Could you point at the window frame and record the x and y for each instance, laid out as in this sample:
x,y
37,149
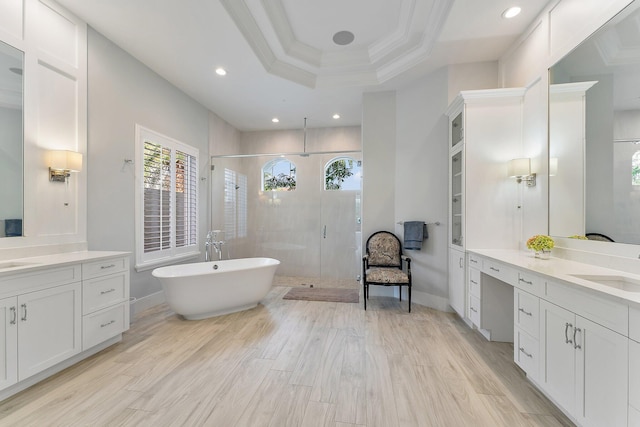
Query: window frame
x,y
293,173
174,253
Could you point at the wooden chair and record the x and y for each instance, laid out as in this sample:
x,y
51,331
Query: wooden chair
x,y
382,264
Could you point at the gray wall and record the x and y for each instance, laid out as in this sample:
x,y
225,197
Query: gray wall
x,y
122,93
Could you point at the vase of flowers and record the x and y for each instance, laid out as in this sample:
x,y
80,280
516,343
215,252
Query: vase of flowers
x,y
542,245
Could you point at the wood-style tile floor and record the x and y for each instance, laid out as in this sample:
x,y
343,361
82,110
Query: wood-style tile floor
x,y
292,363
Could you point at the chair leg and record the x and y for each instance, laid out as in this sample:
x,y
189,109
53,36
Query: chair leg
x,y
400,293
409,288
365,292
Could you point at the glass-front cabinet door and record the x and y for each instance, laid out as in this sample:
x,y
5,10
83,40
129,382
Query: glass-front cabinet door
x,y
456,192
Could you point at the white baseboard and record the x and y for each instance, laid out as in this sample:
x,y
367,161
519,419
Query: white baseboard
x,y
431,301
148,301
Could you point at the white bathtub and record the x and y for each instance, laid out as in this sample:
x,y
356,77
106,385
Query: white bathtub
x,y
207,289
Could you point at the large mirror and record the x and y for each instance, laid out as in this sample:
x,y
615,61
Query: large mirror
x,y
594,135
11,141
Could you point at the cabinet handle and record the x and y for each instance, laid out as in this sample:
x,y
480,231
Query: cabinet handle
x,y
24,312
473,260
575,341
525,353
473,309
525,312
14,315
566,333
473,281
104,267
107,324
108,291
460,262
525,281
497,270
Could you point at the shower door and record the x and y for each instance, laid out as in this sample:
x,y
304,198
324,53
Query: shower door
x,y
340,253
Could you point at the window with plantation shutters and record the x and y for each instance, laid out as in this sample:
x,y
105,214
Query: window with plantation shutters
x,y
166,200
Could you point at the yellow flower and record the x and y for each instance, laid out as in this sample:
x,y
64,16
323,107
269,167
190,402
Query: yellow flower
x,y
579,237
540,242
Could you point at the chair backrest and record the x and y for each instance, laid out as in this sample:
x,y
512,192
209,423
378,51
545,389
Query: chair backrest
x,y
384,250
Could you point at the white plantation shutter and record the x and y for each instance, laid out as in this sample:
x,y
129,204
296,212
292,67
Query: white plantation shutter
x,y
186,199
166,201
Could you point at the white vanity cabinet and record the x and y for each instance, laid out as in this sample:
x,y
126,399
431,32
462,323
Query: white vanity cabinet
x,y
105,300
634,366
47,314
8,342
584,367
49,325
456,281
526,337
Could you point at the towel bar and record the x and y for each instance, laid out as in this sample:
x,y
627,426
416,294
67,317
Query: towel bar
x,y
427,223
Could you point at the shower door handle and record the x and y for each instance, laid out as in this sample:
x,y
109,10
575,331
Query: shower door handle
x,y
324,232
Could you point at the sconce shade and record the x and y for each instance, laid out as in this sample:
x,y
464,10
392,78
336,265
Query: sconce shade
x,y
519,167
65,160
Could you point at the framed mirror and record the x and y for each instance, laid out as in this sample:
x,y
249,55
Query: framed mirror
x,y
594,135
11,141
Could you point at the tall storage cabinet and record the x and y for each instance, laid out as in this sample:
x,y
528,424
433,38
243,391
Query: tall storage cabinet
x,y
485,132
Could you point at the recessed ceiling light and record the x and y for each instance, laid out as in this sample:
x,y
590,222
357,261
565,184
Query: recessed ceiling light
x,y
343,38
275,120
511,12
221,71
336,116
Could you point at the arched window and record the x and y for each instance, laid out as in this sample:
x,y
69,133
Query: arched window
x,y
279,175
635,168
342,173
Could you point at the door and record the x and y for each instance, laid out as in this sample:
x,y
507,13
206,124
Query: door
x,y
340,243
50,327
456,281
8,342
603,375
558,373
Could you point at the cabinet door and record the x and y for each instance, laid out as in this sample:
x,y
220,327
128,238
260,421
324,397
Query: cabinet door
x,y
558,373
8,342
49,328
456,281
602,365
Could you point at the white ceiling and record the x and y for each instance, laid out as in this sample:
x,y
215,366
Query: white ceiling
x,y
281,59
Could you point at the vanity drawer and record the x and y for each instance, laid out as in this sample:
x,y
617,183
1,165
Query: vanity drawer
x,y
474,310
475,261
530,283
525,352
103,292
500,272
52,276
104,267
634,323
102,325
527,312
474,282
598,308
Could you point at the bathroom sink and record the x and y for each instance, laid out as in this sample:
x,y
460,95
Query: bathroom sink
x,y
15,264
617,282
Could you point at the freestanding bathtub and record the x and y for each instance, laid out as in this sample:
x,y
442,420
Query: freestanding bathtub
x,y
207,289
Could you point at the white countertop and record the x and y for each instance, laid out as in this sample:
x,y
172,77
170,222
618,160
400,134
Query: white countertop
x,y
562,269
22,265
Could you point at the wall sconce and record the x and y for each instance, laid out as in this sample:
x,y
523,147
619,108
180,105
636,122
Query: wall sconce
x,y
520,169
62,163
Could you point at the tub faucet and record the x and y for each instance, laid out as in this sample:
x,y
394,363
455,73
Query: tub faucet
x,y
212,243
